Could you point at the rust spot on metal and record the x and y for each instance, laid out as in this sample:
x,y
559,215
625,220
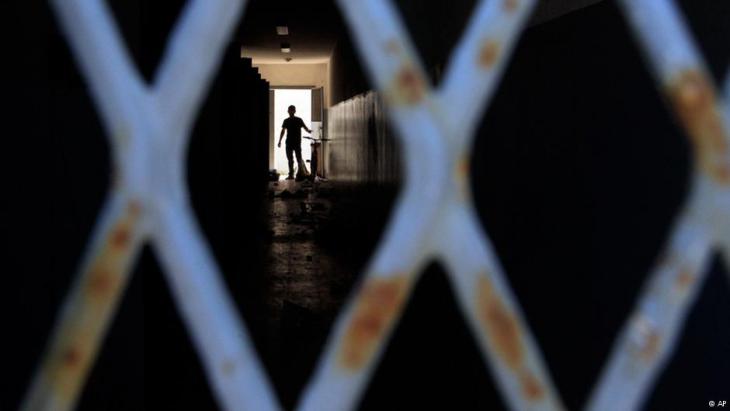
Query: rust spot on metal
x,y
463,169
723,172
65,374
71,357
409,87
101,283
375,310
646,340
511,5
500,324
488,54
651,347
462,178
121,237
532,389
695,103
684,279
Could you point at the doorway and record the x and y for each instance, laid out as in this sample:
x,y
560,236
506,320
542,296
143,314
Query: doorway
x,y
302,100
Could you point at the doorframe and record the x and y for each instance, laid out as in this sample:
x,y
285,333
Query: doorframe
x,y
272,106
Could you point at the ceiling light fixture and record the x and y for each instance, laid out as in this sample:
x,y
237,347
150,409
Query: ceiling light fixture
x,y
282,30
285,48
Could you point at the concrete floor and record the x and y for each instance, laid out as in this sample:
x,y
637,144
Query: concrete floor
x,y
320,239
305,285
300,271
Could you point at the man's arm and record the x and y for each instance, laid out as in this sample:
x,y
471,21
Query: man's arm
x,y
281,135
305,127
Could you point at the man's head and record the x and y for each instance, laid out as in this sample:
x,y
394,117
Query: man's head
x,y
292,110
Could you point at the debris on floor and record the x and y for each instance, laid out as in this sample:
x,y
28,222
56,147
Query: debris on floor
x,y
319,235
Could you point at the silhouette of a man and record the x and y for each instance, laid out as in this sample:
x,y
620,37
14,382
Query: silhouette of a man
x,y
293,127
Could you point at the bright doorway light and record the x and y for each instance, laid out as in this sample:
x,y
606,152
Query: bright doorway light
x,y
302,100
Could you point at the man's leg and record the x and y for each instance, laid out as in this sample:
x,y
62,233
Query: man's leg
x,y
300,161
289,157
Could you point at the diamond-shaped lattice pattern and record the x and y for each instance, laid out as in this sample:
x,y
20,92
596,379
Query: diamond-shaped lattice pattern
x,y
434,216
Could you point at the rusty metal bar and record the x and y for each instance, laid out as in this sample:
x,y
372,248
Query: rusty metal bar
x,y
362,330
222,342
149,196
364,327
434,217
649,338
114,82
200,36
89,307
483,292
477,64
492,312
102,277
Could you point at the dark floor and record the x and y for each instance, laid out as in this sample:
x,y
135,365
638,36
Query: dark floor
x,y
304,283
301,272
320,238
316,249
296,265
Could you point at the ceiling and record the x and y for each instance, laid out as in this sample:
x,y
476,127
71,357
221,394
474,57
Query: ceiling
x,y
315,26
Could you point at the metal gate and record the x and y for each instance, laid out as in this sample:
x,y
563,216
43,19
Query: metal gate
x,y
149,126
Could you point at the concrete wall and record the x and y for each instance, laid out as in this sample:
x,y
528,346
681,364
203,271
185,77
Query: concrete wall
x,y
362,147
279,75
435,27
347,78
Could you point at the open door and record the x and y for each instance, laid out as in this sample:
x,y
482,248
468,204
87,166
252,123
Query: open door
x,y
301,98
317,104
318,128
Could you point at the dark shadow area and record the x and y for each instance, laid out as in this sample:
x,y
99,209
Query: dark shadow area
x,y
699,367
321,238
435,28
173,376
146,28
578,171
51,200
707,21
57,171
432,361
